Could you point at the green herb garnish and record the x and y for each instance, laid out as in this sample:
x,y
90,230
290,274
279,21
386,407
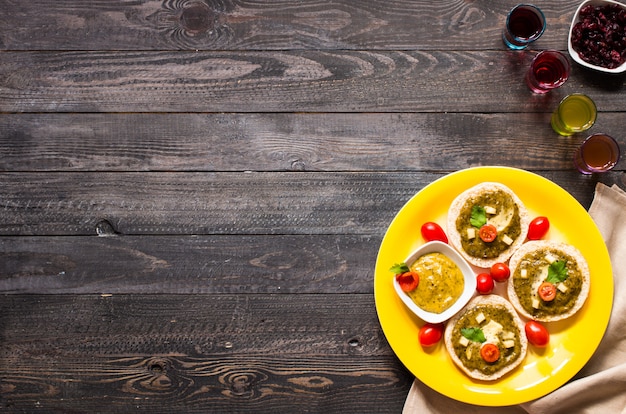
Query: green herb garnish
x,y
474,334
478,218
557,272
399,268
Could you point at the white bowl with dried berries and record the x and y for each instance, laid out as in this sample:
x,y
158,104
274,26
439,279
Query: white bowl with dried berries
x,y
597,37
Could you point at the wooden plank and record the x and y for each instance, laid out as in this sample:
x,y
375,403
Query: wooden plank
x,y
257,25
222,203
188,265
301,81
204,203
286,141
197,353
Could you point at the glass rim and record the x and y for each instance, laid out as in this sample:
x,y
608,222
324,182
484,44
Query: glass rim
x,y
592,107
554,52
612,141
539,14
561,56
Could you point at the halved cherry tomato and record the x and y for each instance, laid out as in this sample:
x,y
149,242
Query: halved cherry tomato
x,y
490,352
538,228
484,283
500,272
430,334
488,233
547,291
537,334
408,281
433,231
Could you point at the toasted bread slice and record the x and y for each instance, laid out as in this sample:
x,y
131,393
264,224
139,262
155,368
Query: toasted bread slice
x,y
511,219
529,268
495,310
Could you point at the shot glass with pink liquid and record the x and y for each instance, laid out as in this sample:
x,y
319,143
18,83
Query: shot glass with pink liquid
x,y
548,70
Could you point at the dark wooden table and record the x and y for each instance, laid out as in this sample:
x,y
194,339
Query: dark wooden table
x,y
193,193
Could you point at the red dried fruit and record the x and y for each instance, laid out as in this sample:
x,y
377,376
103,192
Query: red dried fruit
x,y
600,36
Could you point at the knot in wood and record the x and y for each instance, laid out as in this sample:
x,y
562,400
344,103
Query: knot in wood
x,y
159,379
105,228
197,18
243,384
157,366
355,346
298,165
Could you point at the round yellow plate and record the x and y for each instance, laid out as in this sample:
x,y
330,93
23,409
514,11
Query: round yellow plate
x,y
572,342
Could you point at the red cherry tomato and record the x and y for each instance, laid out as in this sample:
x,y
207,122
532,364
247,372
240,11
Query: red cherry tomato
x,y
408,281
547,291
488,233
538,228
484,283
430,334
537,334
500,272
433,231
490,353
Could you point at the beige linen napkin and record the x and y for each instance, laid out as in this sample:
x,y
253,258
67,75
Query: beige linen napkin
x,y
600,387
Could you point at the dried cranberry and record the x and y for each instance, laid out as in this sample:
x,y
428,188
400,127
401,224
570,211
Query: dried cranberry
x,y
587,10
600,36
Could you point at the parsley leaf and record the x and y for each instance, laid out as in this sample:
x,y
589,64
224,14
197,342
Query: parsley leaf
x,y
474,334
399,268
478,217
557,272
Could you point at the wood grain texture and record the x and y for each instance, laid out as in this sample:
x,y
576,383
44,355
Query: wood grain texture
x,y
306,81
222,203
204,203
286,141
323,264
193,192
254,25
200,353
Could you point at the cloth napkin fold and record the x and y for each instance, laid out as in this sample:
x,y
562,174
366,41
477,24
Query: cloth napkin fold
x,y
600,386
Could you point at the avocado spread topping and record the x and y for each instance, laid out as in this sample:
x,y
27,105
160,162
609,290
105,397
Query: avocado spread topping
x,y
497,326
501,211
537,267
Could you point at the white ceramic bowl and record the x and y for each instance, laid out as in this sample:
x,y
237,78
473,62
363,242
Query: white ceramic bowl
x,y
570,48
468,274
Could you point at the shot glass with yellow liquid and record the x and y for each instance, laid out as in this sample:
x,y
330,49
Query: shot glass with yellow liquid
x,y
576,113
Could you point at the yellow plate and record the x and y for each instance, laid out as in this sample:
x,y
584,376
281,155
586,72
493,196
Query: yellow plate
x,y
572,342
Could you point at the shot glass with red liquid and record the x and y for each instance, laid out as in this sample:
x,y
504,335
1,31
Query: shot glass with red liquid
x,y
597,154
548,70
525,23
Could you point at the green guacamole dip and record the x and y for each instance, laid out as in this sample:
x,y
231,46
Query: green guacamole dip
x,y
504,204
470,354
535,264
441,282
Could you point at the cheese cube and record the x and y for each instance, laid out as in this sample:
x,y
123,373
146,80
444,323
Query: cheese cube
x,y
491,331
507,239
490,210
464,341
509,343
471,233
523,273
550,258
562,287
536,303
508,335
480,318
